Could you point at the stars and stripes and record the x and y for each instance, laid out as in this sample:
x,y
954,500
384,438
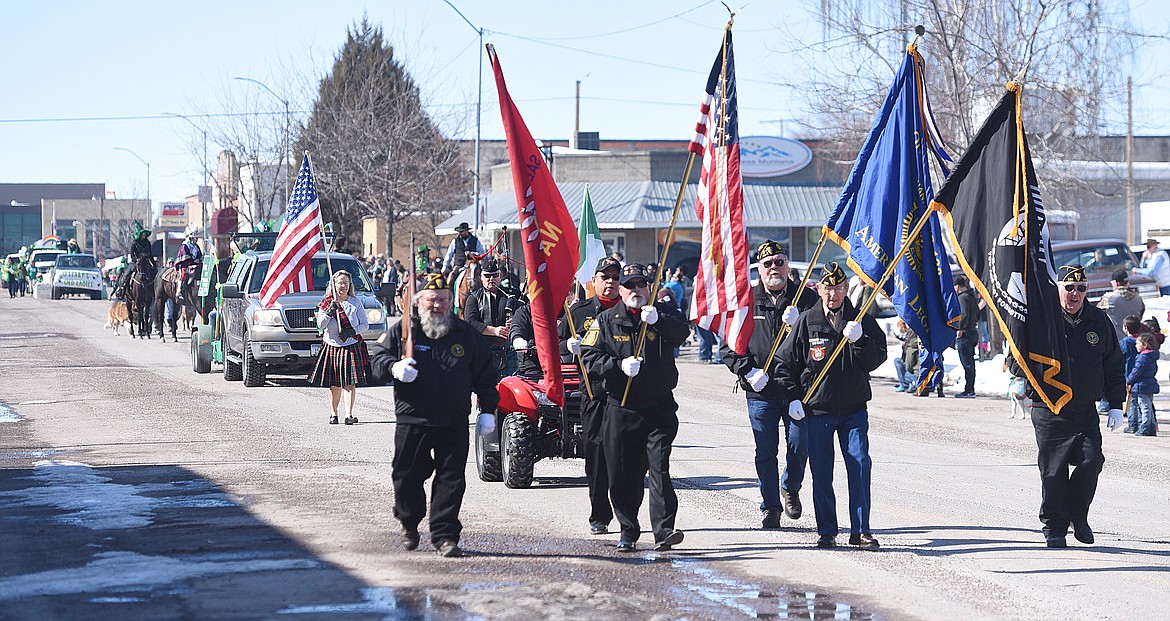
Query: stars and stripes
x,y
299,239
722,299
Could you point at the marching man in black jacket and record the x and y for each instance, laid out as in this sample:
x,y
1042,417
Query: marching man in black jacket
x,y
584,313
432,400
839,405
1073,438
638,435
767,400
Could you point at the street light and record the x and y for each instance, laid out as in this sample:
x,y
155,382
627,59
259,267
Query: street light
x,y
478,106
287,155
149,207
206,173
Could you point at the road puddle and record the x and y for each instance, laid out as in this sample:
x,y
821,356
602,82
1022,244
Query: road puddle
x,y
395,604
756,602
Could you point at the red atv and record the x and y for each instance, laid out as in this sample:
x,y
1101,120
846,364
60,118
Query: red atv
x,y
529,427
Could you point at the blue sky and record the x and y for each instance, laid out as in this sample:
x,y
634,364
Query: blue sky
x,y
84,77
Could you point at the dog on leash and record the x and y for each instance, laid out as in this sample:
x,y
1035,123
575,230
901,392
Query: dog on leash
x,y
118,316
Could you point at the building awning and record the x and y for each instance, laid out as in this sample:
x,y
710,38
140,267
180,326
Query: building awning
x,y
224,221
623,205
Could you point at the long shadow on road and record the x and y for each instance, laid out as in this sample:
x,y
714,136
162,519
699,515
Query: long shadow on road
x,y
161,542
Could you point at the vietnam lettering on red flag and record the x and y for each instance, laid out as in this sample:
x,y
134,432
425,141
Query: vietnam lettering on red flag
x,y
547,233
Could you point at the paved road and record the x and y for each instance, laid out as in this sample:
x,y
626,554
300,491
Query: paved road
x,y
133,488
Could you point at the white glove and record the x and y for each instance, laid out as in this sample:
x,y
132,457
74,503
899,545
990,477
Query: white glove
x,y
1114,420
650,314
757,379
574,345
519,343
795,410
631,366
790,315
852,331
485,423
404,370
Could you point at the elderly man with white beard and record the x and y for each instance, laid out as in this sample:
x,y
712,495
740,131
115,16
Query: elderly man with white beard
x,y
432,401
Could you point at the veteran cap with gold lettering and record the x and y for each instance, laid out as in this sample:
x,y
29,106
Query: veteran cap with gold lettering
x,y
769,248
434,282
832,274
633,271
1072,273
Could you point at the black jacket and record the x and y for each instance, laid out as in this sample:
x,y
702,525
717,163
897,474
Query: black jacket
x,y
484,309
767,316
583,312
449,369
969,320
522,328
612,337
845,389
1095,362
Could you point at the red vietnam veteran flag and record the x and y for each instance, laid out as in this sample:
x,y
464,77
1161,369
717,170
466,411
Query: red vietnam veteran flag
x,y
722,299
547,233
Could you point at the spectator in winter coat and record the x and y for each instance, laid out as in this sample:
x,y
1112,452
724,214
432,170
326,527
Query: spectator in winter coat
x,y
1142,388
1121,302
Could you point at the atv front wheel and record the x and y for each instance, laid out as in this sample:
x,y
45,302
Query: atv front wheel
x,y
487,462
519,450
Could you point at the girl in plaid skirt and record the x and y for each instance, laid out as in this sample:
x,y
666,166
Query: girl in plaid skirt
x,y
343,362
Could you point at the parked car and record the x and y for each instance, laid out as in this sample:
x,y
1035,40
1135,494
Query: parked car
x,y
40,262
1100,258
75,274
256,341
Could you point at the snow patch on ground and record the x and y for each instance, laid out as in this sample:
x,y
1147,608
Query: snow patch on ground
x,y
8,415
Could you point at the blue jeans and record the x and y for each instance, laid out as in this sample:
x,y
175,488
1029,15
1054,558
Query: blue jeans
x,y
906,378
1142,408
765,416
1164,290
852,431
706,342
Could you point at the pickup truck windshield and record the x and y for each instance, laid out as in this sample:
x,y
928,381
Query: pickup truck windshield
x,y
320,274
74,261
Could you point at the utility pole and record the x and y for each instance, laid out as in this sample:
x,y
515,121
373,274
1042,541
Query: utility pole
x,y
1130,215
576,118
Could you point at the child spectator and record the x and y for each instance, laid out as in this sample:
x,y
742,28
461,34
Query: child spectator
x,y
1156,329
1132,326
1143,386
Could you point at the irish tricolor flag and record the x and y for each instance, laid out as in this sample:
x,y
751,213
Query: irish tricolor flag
x,y
592,248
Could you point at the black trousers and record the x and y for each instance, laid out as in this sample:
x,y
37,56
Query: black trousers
x,y
637,445
1070,439
420,451
965,345
596,474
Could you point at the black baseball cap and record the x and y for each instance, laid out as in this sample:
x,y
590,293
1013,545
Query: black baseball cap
x,y
606,263
632,271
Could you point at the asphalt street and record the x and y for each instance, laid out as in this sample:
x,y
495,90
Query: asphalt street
x,y
133,488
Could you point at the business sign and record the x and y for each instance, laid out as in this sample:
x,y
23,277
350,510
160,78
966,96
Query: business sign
x,y
172,214
771,156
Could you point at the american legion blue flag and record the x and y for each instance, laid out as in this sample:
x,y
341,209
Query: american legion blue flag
x,y
886,195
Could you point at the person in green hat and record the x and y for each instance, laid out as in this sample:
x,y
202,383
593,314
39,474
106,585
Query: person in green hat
x,y
141,257
422,260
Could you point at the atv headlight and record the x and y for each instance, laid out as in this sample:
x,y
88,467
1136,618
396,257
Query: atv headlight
x,y
374,315
541,398
267,317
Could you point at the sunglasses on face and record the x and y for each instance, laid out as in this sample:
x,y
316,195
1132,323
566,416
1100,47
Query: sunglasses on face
x,y
777,263
1078,288
605,276
495,276
636,284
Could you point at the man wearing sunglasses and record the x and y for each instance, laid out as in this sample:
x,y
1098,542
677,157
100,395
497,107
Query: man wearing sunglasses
x,y
584,313
638,433
489,311
1074,436
767,400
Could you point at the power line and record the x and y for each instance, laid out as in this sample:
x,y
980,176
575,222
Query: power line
x,y
625,30
145,117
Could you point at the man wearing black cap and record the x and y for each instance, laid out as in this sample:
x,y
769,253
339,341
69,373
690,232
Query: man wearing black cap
x,y
1074,436
584,313
767,401
839,405
489,310
432,400
967,336
464,244
1121,302
638,434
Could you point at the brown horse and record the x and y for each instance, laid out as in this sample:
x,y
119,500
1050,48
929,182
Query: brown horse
x,y
464,282
167,290
139,298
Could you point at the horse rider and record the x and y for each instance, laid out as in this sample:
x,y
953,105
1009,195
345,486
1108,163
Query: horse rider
x,y
187,262
141,257
462,247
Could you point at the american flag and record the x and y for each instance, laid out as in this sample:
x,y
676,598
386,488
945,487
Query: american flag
x,y
722,299
299,239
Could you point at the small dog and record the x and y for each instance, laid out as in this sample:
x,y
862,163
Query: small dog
x,y
1017,394
118,316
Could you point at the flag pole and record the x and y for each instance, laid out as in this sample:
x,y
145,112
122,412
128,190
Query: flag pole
x,y
803,285
327,245
878,290
580,362
661,265
407,323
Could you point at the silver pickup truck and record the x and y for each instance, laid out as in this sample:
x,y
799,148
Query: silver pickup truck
x,y
283,339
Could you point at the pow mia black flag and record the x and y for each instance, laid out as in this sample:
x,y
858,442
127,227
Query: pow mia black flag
x,y
1000,236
